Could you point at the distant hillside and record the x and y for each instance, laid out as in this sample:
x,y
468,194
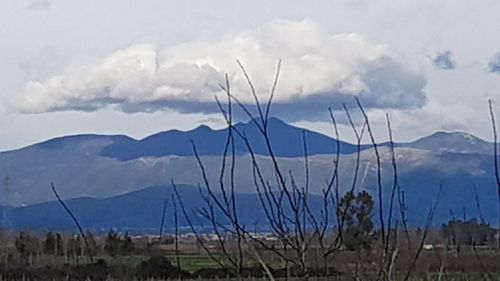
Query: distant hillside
x,y
287,141
456,142
140,211
99,166
136,211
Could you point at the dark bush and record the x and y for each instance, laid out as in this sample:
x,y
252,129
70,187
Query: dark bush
x,y
159,267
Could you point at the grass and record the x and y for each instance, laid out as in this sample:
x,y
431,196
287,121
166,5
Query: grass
x,y
193,262
189,262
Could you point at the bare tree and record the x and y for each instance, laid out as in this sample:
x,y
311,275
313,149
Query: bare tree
x,y
495,161
75,220
286,203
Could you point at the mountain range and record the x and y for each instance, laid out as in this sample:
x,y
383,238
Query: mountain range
x,y
101,174
287,141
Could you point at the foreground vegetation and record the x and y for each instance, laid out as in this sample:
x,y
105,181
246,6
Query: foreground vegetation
x,y
450,253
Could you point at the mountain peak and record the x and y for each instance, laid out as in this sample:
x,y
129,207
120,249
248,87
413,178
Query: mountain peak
x,y
276,120
453,142
202,128
456,135
270,121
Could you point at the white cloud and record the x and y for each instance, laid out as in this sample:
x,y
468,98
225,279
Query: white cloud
x,y
318,70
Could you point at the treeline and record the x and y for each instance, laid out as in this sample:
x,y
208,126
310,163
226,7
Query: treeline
x,y
472,232
30,246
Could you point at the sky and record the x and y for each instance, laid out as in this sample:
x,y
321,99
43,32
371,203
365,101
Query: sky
x,y
139,67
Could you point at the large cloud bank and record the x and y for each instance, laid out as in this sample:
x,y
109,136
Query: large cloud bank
x,y
319,69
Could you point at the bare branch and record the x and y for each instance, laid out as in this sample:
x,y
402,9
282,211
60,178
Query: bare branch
x,y
379,171
75,220
495,160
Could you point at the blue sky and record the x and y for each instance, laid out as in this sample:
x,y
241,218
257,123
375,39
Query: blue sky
x,y
136,68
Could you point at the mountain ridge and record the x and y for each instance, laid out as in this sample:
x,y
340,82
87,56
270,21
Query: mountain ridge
x,y
141,211
79,168
211,141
